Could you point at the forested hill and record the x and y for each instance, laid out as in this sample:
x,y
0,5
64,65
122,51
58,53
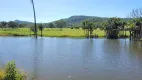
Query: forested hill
x,y
76,19
22,22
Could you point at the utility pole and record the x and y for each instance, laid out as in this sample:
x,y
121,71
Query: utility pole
x,y
35,32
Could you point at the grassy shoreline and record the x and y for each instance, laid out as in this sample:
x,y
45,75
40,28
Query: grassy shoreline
x,y
54,32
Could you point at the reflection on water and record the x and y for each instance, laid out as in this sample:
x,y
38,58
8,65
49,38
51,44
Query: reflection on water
x,y
87,49
74,59
37,57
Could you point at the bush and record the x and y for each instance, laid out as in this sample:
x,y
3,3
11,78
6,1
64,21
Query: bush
x,y
71,28
76,27
12,73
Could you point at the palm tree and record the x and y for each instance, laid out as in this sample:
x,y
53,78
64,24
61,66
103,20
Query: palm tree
x,y
34,18
122,26
88,28
84,27
40,27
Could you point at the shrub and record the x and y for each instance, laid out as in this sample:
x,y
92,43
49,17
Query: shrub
x,y
71,27
12,73
76,27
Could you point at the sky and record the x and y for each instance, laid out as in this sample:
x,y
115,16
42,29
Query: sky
x,y
51,10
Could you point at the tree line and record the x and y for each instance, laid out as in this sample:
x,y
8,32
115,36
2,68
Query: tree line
x,y
11,24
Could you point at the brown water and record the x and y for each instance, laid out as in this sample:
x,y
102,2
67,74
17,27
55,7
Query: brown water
x,y
74,59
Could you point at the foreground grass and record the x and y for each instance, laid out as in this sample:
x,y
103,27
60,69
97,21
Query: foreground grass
x,y
48,32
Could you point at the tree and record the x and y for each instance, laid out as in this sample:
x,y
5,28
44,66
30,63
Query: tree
x,y
97,25
51,25
35,31
88,28
41,28
138,23
60,24
91,28
136,13
130,24
122,26
3,24
84,27
12,24
112,28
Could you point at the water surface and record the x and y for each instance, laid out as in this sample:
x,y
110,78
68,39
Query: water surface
x,y
74,59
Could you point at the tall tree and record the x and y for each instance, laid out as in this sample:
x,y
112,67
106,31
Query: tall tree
x,y
41,28
88,28
34,18
84,27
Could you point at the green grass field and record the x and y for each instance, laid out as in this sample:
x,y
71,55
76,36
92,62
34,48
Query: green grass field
x,y
48,32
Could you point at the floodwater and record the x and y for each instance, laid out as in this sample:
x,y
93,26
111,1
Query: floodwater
x,y
74,59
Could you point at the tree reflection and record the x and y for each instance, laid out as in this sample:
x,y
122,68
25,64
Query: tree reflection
x,y
111,54
87,49
135,49
37,54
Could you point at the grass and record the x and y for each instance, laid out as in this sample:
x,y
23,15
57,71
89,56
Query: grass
x,y
48,32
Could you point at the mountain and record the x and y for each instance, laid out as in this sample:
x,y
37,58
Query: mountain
x,y
22,22
77,19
